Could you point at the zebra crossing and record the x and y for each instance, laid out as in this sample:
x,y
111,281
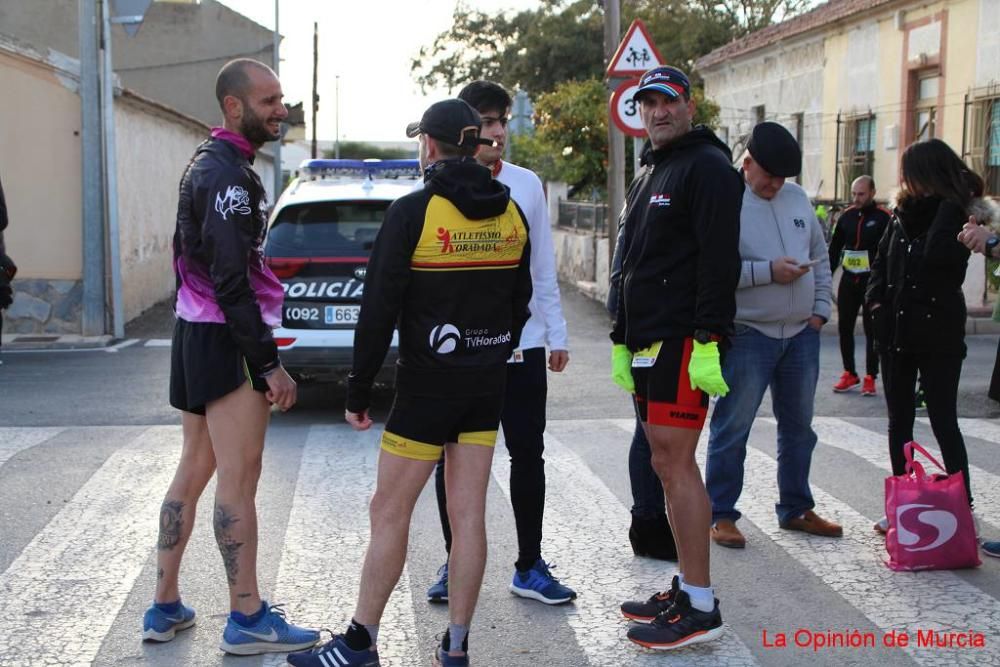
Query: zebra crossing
x,y
73,590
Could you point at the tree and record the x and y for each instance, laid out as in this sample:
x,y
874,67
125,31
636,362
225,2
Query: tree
x,y
571,135
563,40
556,54
748,16
532,50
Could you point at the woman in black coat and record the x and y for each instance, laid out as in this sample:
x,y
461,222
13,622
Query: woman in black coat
x,y
916,300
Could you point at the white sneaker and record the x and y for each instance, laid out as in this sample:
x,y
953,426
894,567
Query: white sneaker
x,y
882,526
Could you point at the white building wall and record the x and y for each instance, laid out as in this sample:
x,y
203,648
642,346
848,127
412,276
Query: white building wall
x,y
988,51
859,71
153,151
786,81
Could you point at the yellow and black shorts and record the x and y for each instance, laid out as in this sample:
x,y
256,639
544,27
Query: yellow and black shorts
x,y
419,426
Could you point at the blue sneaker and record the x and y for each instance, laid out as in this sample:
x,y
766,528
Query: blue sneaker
x,y
159,626
271,634
443,659
991,549
439,591
539,584
335,653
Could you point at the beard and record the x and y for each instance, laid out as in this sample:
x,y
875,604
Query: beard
x,y
255,130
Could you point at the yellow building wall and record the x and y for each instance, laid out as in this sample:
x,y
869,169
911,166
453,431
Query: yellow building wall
x,y
957,63
40,170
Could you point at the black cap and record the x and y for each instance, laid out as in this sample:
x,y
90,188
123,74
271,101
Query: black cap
x,y
774,148
667,80
451,121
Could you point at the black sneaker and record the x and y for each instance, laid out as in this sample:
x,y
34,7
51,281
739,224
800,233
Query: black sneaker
x,y
679,626
645,612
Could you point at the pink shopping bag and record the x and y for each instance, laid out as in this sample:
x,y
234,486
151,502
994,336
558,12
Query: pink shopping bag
x,y
930,523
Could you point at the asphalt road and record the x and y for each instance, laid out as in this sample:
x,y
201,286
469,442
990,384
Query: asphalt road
x,y
88,444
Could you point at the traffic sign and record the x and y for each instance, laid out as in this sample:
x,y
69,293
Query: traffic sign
x,y
625,111
635,54
129,14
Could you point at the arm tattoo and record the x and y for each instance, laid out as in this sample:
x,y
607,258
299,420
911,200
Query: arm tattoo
x,y
170,525
228,547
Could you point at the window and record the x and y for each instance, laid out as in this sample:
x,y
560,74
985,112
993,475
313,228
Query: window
x,y
981,143
758,114
855,150
798,119
926,89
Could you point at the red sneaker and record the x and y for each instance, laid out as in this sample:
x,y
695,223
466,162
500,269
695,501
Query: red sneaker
x,y
868,387
848,381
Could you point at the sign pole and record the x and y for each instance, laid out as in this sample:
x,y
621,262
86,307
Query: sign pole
x,y
616,142
634,55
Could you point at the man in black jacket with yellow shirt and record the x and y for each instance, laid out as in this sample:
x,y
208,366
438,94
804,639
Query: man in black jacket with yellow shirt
x,y
450,270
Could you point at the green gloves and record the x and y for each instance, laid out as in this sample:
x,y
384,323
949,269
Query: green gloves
x,y
705,370
621,368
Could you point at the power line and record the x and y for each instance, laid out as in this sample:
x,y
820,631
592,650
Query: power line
x,y
198,61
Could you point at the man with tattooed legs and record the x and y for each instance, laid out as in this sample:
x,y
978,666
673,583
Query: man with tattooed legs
x,y
225,370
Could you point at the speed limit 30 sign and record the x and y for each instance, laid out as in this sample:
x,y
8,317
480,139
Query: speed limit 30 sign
x,y
625,110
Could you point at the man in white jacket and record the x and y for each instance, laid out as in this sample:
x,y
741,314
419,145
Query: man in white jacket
x,y
782,302
523,418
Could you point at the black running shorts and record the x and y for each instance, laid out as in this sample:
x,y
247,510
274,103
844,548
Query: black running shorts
x,y
419,426
663,392
205,365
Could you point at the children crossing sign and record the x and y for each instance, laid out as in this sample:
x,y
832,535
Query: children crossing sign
x,y
635,54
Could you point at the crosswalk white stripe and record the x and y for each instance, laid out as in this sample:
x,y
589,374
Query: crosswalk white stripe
x,y
873,448
122,345
158,342
77,572
16,439
984,429
852,566
326,539
579,505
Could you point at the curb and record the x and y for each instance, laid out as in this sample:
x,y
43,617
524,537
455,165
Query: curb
x,y
12,342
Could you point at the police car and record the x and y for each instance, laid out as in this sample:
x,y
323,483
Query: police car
x,y
319,239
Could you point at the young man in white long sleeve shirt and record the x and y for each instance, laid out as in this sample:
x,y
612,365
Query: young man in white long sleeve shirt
x,y
523,417
782,302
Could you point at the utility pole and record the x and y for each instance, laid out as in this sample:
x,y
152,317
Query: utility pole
x,y
93,318
111,175
616,140
315,105
279,180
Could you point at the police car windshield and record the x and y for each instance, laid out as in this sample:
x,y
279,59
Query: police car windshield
x,y
326,228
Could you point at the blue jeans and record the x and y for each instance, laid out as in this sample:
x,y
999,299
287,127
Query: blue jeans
x,y
647,490
790,367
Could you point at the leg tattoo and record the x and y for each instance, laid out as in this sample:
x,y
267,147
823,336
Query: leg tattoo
x,y
228,547
170,525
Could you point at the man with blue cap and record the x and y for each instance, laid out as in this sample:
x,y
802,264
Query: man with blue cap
x,y
674,308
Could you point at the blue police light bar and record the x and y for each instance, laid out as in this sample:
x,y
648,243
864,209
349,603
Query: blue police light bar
x,y
371,168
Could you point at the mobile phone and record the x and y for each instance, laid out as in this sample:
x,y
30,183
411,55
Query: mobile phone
x,y
811,262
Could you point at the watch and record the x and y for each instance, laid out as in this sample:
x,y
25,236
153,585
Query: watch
x,y
704,336
992,243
